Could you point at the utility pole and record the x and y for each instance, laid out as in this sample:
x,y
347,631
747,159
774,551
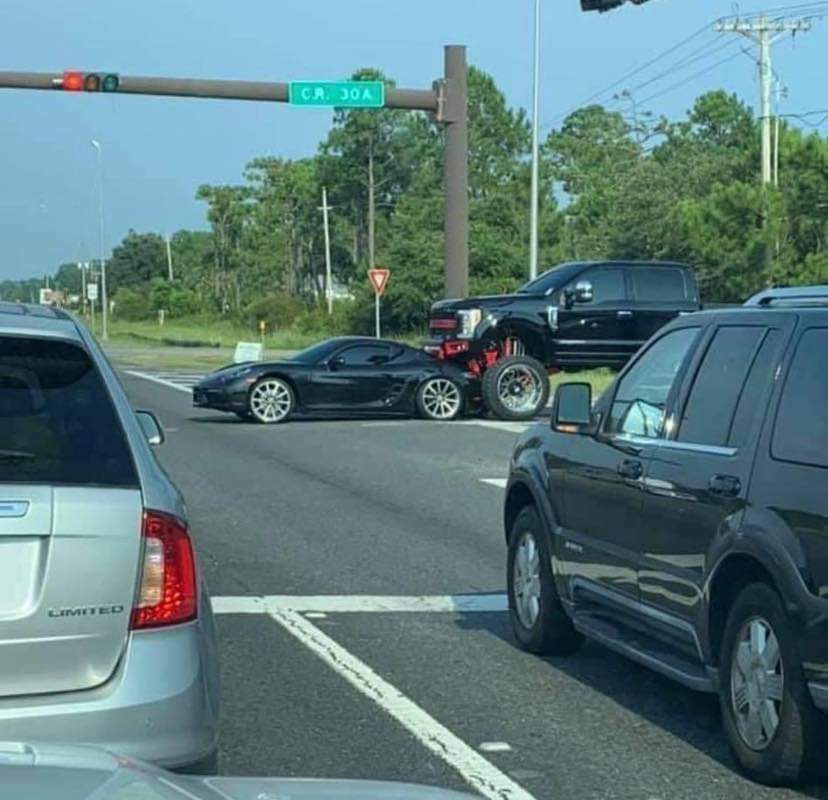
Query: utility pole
x,y
453,112
328,277
170,273
104,310
82,268
764,33
372,206
533,216
781,91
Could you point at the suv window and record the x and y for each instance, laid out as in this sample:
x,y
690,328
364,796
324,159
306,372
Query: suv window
x,y
661,284
366,355
640,401
801,431
711,406
57,422
608,285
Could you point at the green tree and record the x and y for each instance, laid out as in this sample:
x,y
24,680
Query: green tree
x,y
138,259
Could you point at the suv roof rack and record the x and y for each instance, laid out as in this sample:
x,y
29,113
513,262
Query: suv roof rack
x,y
791,296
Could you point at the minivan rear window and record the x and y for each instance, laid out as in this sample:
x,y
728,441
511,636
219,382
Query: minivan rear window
x,y
57,421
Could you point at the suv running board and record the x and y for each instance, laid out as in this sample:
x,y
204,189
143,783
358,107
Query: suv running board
x,y
648,652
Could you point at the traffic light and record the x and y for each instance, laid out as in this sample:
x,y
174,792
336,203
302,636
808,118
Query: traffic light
x,y
605,5
89,82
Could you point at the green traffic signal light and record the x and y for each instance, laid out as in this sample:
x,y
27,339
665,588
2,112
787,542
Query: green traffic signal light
x,y
110,83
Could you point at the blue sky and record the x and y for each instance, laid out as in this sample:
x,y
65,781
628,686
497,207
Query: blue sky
x,y
158,150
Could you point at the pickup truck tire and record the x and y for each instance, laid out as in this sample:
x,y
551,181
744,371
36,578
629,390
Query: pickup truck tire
x,y
775,746
516,388
539,622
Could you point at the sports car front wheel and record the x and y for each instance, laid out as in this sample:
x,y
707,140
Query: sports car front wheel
x,y
439,399
271,400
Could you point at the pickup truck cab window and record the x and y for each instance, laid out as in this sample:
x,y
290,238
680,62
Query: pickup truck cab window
x,y
640,402
608,286
662,284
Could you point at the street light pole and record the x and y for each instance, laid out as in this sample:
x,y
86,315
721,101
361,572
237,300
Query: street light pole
x,y
104,303
533,235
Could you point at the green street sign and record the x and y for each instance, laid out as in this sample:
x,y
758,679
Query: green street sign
x,y
344,94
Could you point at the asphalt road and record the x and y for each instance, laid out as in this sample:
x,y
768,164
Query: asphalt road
x,y
356,666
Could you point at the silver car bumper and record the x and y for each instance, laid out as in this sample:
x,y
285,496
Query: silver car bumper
x,y
160,705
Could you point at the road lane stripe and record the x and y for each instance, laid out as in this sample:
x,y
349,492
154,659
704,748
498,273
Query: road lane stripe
x,y
480,774
161,381
360,604
499,482
503,427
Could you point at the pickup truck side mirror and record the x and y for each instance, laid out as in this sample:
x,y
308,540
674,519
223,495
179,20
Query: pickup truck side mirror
x,y
572,409
580,293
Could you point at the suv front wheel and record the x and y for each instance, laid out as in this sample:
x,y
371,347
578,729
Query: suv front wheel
x,y
768,714
539,621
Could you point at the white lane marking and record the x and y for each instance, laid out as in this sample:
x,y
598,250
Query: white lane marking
x,y
504,427
154,379
499,482
361,604
495,747
316,615
480,774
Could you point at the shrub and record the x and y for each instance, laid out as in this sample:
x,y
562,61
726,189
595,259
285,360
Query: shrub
x,y
132,305
277,310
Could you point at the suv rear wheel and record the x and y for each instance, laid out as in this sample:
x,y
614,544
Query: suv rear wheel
x,y
539,621
768,714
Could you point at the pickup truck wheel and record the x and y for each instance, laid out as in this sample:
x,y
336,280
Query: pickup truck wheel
x,y
539,622
768,715
516,388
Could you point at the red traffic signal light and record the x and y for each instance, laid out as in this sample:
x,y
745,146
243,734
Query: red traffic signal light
x,y
72,82
89,82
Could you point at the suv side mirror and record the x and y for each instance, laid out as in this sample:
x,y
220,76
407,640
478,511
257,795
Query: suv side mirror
x,y
151,427
572,408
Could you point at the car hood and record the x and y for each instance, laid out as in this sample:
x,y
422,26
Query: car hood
x,y
483,301
229,372
58,772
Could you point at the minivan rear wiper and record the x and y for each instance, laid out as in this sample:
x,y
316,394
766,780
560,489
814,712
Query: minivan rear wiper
x,y
16,455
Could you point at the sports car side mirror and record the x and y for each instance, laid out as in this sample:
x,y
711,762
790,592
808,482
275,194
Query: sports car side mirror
x,y
337,362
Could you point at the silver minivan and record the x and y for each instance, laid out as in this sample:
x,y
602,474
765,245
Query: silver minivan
x,y
106,630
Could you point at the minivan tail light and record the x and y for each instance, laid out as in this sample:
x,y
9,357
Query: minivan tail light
x,y
167,594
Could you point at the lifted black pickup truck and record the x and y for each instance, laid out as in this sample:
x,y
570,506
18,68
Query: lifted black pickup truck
x,y
577,315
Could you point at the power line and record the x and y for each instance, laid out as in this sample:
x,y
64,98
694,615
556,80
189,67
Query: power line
x,y
694,77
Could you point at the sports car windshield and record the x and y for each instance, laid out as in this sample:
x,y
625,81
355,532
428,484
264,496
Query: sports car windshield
x,y
317,352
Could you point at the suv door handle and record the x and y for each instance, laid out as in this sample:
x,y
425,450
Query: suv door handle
x,y
630,468
725,485
623,314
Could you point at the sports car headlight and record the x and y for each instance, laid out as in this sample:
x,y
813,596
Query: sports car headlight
x,y
469,319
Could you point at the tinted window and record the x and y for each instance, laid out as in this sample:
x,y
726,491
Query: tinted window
x,y
57,423
318,352
755,391
717,388
641,399
661,284
553,279
607,285
366,355
801,432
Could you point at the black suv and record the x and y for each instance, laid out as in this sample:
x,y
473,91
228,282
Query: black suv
x,y
682,520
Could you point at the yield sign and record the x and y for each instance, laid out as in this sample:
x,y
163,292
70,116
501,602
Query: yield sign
x,y
379,280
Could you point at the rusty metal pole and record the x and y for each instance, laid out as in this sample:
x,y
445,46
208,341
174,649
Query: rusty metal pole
x,y
455,116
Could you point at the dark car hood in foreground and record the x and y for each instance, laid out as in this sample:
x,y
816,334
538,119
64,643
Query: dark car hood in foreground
x,y
484,301
57,772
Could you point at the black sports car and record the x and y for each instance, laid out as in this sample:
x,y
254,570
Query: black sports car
x,y
342,376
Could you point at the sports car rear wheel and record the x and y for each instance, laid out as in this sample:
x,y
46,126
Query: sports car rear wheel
x,y
271,401
439,399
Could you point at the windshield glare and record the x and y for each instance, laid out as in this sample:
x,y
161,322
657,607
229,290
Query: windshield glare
x,y
551,279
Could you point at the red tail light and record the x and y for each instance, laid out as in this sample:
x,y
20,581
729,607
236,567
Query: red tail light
x,y
167,595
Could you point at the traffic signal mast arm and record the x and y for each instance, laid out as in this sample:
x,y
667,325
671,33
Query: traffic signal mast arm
x,y
416,99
